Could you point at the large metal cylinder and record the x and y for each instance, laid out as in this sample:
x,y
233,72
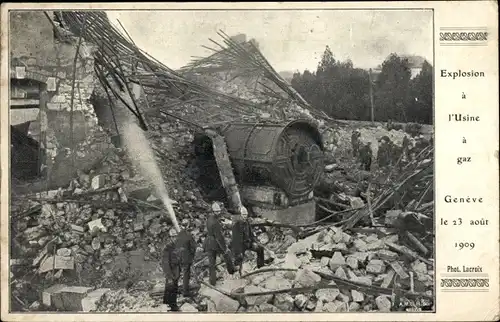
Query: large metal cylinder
x,y
288,156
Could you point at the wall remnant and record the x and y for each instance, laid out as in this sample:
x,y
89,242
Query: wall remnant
x,y
67,121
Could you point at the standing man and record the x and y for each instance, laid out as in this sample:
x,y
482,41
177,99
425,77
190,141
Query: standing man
x,y
365,156
389,125
243,239
178,256
215,245
356,135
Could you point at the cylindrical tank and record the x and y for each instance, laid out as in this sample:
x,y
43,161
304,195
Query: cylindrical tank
x,y
288,156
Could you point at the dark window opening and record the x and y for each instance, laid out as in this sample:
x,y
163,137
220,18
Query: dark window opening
x,y
27,153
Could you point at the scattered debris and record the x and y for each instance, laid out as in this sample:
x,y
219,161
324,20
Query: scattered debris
x,y
107,228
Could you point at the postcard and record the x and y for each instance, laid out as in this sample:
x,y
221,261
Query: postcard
x,y
301,161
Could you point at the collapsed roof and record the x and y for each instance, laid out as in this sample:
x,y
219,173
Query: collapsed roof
x,y
119,62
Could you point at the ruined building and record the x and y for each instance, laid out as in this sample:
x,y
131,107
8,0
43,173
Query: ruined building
x,y
53,76
54,126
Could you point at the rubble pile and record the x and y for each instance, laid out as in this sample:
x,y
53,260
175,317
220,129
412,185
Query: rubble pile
x,y
110,211
95,244
84,228
365,259
330,271
101,214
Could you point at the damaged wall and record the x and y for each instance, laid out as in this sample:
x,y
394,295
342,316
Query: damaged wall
x,y
36,54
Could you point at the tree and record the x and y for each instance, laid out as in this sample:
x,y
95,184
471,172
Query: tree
x,y
337,88
393,89
342,91
306,85
327,62
421,96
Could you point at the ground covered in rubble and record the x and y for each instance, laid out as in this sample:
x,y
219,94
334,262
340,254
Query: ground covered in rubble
x,y
97,242
94,245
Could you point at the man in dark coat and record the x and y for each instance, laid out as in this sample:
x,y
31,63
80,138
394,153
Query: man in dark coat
x,y
215,245
242,240
384,153
406,149
365,156
177,256
355,142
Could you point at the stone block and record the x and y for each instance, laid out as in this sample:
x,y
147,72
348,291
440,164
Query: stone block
x,y
340,273
399,270
300,301
48,294
284,302
362,279
388,279
17,262
378,244
387,255
277,283
336,306
57,262
383,303
327,294
20,72
137,192
98,181
51,84
295,215
64,252
54,106
186,307
222,303
96,225
58,99
353,307
71,298
48,210
337,261
325,260
307,278
352,262
344,297
78,229
357,296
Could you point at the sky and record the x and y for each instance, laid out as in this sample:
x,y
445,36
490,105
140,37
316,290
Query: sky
x,y
290,40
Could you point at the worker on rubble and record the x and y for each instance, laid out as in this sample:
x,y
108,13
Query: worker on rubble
x,y
406,149
365,156
389,125
243,239
396,155
355,142
383,154
215,245
178,256
421,143
418,146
